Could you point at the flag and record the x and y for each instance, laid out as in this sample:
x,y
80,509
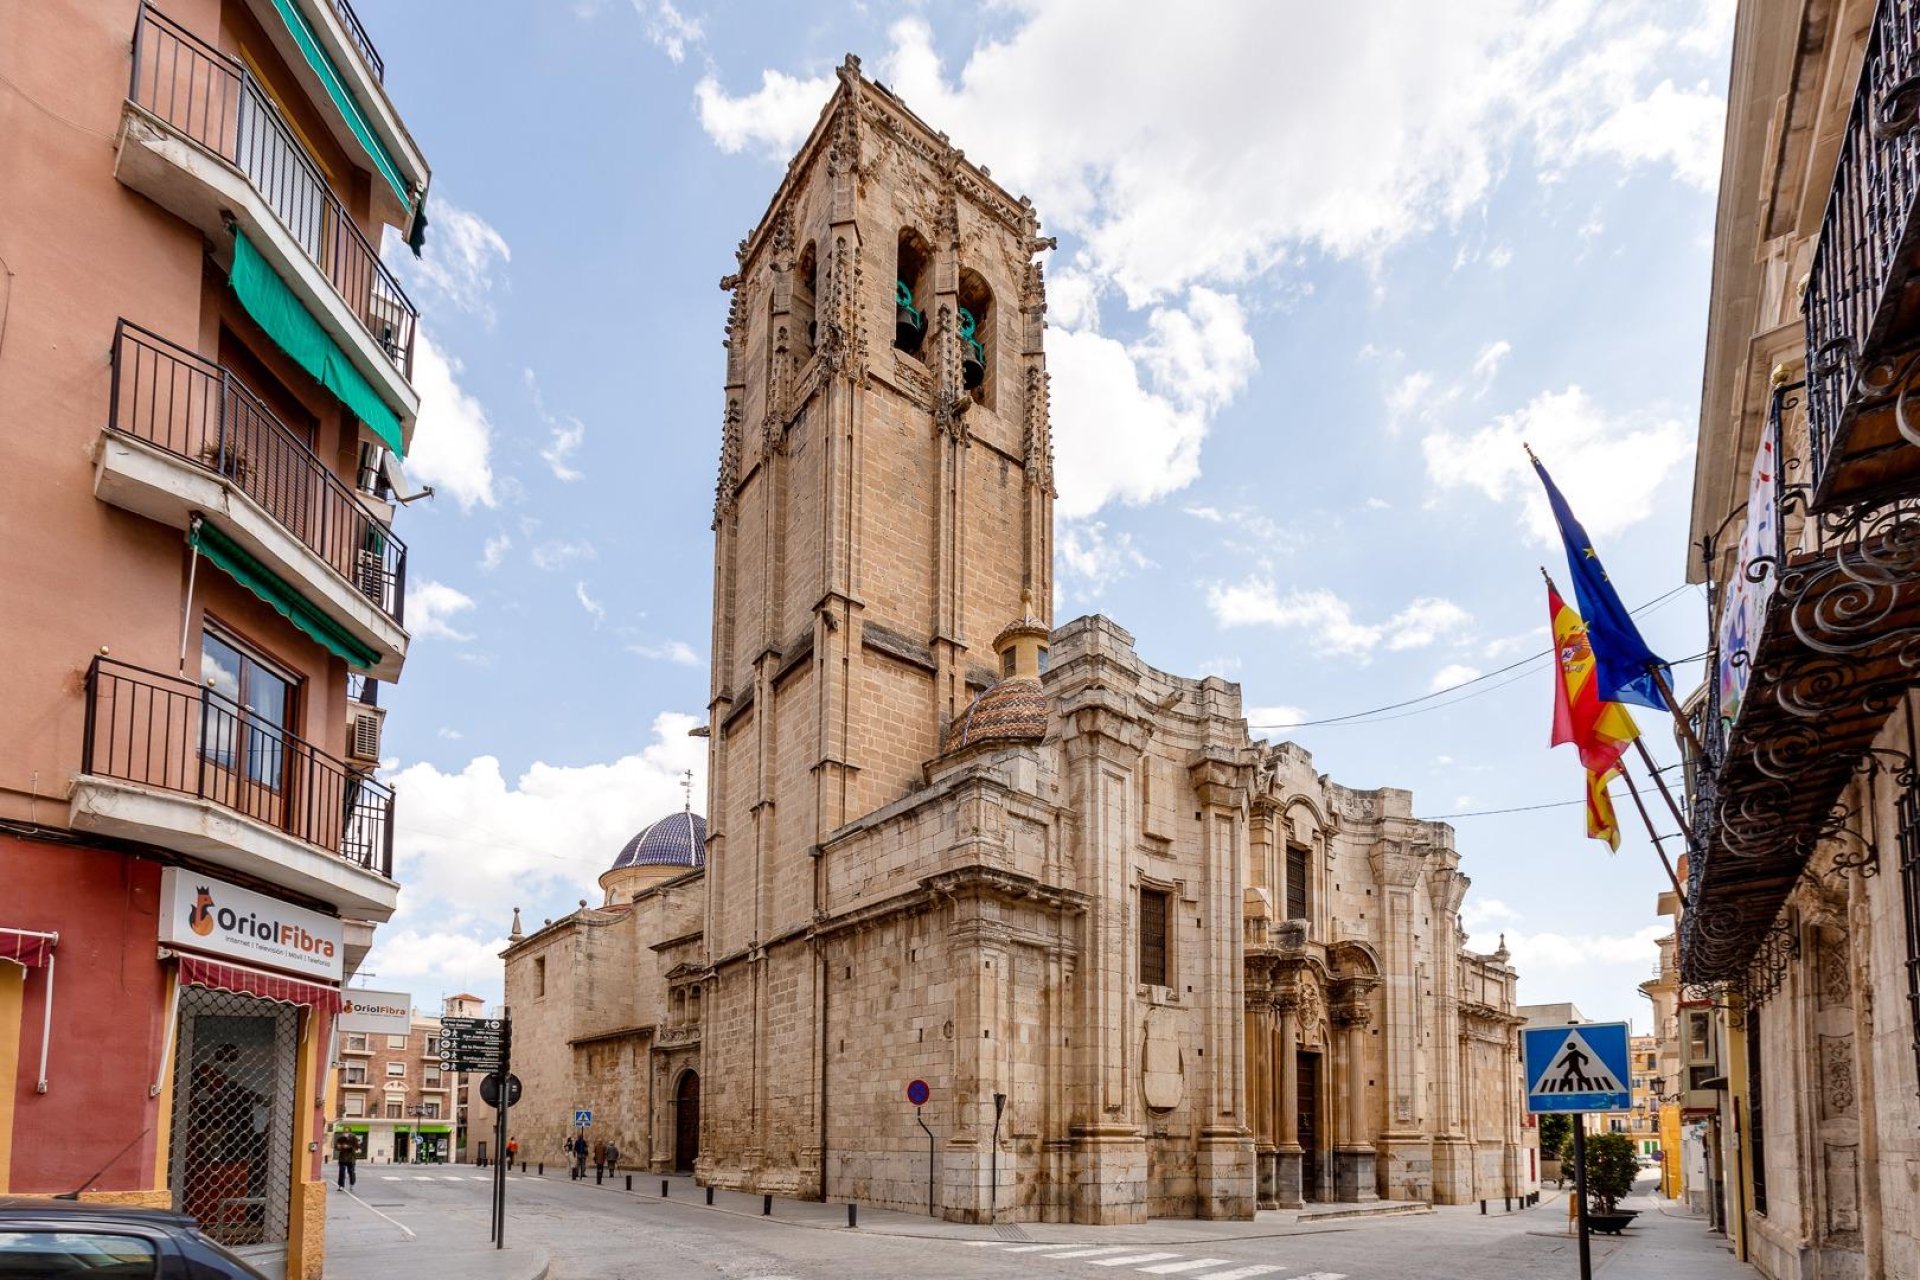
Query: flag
x,y
1599,730
1600,820
1625,664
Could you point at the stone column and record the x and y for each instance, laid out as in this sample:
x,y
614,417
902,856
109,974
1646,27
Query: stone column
x,y
1288,1193
1354,1177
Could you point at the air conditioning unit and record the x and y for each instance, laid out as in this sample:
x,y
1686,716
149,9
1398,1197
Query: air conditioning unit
x,y
363,734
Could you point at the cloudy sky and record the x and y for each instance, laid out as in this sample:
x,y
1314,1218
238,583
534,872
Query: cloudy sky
x,y
1322,268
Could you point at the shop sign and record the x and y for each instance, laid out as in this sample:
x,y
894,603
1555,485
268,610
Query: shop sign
x,y
222,919
384,1013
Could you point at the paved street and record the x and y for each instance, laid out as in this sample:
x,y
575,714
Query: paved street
x,y
584,1232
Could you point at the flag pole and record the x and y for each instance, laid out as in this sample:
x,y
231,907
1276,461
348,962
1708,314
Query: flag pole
x,y
1673,705
1660,848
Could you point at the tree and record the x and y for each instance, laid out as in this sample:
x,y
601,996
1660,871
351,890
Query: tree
x,y
1556,1134
1612,1166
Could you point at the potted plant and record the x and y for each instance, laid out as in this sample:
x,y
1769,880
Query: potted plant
x,y
1612,1167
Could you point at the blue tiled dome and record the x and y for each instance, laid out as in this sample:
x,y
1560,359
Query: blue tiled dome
x,y
677,840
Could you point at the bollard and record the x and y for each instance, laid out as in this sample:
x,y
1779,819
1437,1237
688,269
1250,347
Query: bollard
x,y
853,1214
543,1168
766,1206
663,1188
629,1182
523,1167
1509,1204
1483,1208
709,1195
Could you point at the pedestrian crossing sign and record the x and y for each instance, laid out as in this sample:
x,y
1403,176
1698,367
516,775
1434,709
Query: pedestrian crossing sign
x,y
1578,1067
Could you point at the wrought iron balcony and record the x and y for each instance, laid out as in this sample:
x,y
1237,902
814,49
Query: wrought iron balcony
x,y
1829,645
199,411
1863,292
211,99
173,735
361,41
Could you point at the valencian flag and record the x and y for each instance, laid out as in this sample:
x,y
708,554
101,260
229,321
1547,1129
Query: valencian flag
x,y
1599,729
1624,663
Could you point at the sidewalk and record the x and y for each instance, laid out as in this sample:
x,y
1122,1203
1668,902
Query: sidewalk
x,y
365,1244
1668,1241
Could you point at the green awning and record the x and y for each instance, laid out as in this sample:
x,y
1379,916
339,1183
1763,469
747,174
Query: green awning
x,y
342,98
275,308
277,594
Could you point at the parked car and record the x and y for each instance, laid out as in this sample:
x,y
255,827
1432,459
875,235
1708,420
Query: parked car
x,y
43,1239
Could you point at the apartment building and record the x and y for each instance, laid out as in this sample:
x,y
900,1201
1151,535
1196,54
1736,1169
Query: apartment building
x,y
1799,937
394,1097
205,399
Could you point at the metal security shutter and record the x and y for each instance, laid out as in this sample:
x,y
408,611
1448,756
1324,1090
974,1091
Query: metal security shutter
x,y
230,1164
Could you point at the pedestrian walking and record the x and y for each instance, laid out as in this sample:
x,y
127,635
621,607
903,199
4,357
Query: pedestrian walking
x,y
599,1159
613,1157
580,1156
513,1151
346,1152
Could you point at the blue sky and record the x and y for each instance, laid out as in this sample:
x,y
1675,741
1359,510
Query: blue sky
x,y
1319,274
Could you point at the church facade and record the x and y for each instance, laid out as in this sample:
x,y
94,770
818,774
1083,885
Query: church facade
x,y
1144,964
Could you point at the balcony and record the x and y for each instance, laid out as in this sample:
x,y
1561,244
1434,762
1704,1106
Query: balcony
x,y
185,437
1831,606
201,138
170,763
1863,291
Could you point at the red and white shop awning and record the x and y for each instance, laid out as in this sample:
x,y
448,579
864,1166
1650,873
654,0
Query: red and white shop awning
x,y
27,948
262,984
32,949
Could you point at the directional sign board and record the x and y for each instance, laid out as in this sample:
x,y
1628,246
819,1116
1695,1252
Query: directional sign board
x,y
472,1044
582,1118
1579,1067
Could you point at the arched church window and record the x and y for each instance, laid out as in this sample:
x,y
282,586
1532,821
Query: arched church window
x,y
912,290
976,336
806,289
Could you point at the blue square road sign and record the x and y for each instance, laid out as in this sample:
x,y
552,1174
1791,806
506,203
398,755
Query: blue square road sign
x,y
1581,1067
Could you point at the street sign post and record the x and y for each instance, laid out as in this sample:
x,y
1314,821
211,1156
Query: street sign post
x,y
486,1044
1576,1069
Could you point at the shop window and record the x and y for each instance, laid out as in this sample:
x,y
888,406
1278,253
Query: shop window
x,y
1299,899
1155,926
976,337
249,708
231,1160
806,294
1756,1112
912,291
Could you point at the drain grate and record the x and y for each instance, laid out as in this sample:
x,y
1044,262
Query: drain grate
x,y
1007,1231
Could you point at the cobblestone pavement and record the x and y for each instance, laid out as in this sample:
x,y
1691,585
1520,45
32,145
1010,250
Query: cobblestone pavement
x,y
605,1232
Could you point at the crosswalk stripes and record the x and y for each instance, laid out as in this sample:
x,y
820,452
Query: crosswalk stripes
x,y
1153,1263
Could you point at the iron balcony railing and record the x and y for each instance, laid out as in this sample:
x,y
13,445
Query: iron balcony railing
x,y
189,406
212,99
174,735
1865,257
361,41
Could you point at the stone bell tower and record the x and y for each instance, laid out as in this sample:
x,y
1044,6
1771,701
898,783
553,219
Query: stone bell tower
x,y
885,498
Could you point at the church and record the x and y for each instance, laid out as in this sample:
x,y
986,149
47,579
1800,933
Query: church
x,y
1143,964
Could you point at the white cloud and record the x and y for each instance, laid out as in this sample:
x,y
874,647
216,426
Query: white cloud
x,y
461,258
1274,717
1683,128
1609,466
1128,419
494,552
431,608
470,845
1500,257
1329,620
1451,675
668,29
556,554
774,119
1486,366
453,439
450,734
593,607
677,651
1093,556
566,433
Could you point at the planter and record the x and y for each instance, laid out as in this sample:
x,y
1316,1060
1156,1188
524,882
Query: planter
x,y
1611,1224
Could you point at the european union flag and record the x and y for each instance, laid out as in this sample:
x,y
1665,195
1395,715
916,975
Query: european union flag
x,y
1623,664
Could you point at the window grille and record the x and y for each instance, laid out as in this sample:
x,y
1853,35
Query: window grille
x,y
230,1163
1297,899
1153,937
